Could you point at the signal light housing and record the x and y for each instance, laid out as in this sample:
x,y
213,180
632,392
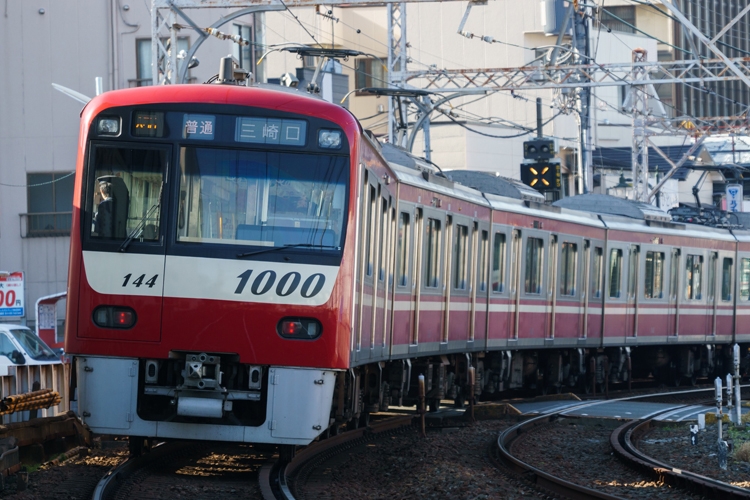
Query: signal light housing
x,y
299,328
539,149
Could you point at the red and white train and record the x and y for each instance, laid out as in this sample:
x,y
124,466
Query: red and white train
x,y
248,265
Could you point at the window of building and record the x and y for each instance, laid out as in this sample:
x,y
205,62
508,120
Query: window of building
x,y
654,282
596,272
483,261
370,73
620,19
245,54
402,249
693,275
568,268
615,273
50,203
534,255
726,279
498,263
143,59
460,251
432,262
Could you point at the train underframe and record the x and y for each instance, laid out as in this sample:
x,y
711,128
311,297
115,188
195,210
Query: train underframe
x,y
376,387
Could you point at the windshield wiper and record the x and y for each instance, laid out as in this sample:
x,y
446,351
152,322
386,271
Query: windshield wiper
x,y
139,228
295,245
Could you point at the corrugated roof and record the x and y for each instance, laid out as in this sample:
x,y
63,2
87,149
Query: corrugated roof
x,y
621,158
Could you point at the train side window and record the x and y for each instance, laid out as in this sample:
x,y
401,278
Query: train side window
x,y
675,273
615,273
402,252
432,262
596,272
693,276
460,250
726,279
745,280
498,263
654,283
483,261
568,268
534,256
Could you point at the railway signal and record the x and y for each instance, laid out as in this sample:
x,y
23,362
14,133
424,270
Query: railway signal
x,y
542,175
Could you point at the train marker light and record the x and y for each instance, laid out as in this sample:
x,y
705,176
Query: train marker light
x,y
329,139
108,126
299,328
114,317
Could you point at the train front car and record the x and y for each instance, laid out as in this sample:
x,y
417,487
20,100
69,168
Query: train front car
x,y
207,273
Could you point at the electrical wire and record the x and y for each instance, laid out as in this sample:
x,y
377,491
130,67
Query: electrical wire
x,y
39,184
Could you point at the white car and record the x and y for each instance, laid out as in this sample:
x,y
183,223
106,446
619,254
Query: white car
x,y
19,345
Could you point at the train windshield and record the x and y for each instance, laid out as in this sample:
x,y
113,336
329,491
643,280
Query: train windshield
x,y
260,198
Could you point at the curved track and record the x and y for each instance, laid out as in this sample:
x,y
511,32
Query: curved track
x,y
622,441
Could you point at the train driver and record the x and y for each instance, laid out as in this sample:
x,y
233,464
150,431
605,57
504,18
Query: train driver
x,y
104,218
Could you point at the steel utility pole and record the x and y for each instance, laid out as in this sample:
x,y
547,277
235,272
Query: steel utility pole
x,y
582,47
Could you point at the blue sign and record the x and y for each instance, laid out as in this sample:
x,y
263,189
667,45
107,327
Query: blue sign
x,y
271,131
734,197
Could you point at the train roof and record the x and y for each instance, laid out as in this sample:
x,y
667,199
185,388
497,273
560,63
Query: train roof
x,y
493,183
604,204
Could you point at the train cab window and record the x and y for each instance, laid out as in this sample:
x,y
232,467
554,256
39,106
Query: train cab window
x,y
498,263
432,252
483,261
745,279
596,272
615,273
726,279
262,199
654,281
402,250
534,257
693,276
568,268
460,247
126,193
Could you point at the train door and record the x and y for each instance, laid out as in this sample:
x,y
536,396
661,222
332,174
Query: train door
x,y
379,296
535,293
447,285
432,289
615,319
673,307
594,310
367,270
515,266
552,285
726,296
480,294
459,283
653,309
403,296
416,276
631,307
568,293
711,301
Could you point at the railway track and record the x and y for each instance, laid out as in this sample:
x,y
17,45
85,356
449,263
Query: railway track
x,y
188,469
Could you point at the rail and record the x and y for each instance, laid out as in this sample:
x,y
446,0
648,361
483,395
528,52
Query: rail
x,y
622,440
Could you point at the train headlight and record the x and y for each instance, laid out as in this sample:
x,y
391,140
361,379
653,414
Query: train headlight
x,y
114,317
329,139
108,126
299,328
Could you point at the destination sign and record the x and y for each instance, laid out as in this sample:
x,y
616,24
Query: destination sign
x,y
271,131
148,124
